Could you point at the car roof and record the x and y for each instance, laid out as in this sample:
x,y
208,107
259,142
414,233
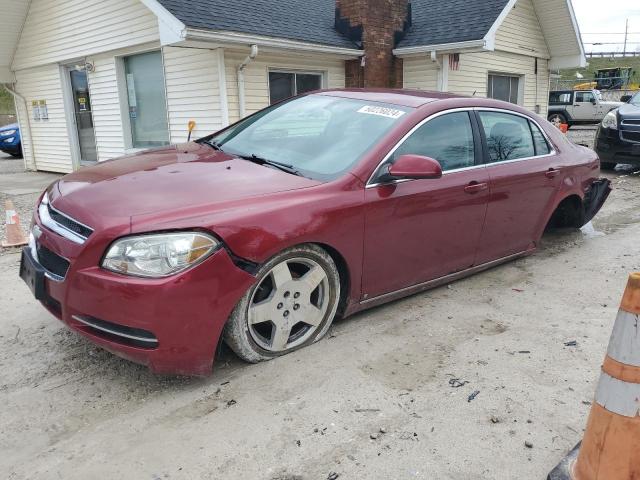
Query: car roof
x,y
402,97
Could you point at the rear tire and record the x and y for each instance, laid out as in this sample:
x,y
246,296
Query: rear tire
x,y
557,119
291,305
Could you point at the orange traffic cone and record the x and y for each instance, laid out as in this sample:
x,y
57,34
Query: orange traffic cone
x,y
610,448
13,234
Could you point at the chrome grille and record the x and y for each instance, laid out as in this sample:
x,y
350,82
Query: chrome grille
x,y
62,224
68,222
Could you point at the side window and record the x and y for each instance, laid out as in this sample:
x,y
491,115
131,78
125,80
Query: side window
x,y
584,97
539,142
508,136
447,139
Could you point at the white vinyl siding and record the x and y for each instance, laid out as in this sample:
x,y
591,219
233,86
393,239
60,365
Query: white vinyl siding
x,y
472,76
257,75
62,30
192,78
521,33
105,103
49,137
420,73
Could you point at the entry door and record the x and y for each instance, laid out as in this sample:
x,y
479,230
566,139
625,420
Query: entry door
x,y
82,115
419,230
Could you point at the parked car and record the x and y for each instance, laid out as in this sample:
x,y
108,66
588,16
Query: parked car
x,y
10,141
575,107
317,207
618,137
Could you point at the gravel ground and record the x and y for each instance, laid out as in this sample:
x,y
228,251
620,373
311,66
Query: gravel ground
x,y
375,400
583,134
22,188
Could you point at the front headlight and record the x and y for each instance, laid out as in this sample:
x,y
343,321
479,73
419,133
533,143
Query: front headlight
x,y
158,255
610,120
7,133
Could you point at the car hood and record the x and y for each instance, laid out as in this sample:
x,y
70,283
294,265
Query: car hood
x,y
174,178
13,126
612,104
629,110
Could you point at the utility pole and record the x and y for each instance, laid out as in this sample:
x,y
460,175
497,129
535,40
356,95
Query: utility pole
x,y
626,35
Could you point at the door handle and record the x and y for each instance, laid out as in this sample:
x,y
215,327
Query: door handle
x,y
475,187
552,173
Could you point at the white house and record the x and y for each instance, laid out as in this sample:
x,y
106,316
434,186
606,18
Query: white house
x,y
95,80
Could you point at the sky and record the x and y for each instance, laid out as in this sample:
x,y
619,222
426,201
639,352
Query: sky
x,y
604,22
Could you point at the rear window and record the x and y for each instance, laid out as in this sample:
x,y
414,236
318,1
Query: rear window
x,y
508,136
560,98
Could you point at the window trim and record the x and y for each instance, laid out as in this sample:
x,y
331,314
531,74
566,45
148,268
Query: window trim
x,y
521,81
473,111
552,149
123,97
321,73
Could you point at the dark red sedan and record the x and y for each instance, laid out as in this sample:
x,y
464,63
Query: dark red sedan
x,y
317,207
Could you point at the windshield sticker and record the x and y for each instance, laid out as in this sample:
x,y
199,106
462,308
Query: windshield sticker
x,y
382,111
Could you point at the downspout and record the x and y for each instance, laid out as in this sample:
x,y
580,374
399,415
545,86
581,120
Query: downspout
x,y
438,62
16,95
241,67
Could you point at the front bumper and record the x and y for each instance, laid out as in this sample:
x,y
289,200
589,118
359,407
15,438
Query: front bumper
x,y
611,148
172,325
10,143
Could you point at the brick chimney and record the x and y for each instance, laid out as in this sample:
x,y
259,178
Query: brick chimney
x,y
378,25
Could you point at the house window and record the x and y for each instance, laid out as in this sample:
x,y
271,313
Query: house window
x,y
504,87
147,106
283,85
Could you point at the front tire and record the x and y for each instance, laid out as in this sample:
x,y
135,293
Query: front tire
x,y
291,305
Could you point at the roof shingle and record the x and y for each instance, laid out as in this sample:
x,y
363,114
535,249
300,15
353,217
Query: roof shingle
x,y
435,22
302,20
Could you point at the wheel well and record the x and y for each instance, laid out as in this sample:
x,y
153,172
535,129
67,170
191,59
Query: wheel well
x,y
568,214
343,270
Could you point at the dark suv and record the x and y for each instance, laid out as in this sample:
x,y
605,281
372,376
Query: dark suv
x,y
618,138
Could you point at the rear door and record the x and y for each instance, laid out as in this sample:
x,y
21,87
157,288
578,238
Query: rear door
x,y
524,178
419,230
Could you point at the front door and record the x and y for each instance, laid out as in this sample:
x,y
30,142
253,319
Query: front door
x,y
419,230
584,107
82,116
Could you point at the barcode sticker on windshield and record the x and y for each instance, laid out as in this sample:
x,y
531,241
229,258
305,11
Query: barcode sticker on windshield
x,y
382,111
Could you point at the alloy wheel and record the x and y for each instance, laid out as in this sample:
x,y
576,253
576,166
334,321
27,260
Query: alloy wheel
x,y
289,304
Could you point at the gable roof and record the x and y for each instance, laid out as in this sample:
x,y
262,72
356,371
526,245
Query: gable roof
x,y
435,22
302,20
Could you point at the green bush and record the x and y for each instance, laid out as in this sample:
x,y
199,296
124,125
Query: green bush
x,y
6,102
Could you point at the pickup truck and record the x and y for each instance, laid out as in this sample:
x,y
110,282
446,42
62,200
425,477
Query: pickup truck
x,y
575,107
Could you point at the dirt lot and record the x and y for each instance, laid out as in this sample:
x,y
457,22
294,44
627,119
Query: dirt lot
x,y
372,401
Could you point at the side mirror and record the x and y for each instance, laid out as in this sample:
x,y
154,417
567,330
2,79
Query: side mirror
x,y
593,101
415,167
625,98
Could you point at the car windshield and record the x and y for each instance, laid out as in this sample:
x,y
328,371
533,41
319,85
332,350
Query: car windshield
x,y
319,136
635,100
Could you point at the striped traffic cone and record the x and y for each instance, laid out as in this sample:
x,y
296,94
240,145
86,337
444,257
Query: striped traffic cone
x,y
610,449
13,233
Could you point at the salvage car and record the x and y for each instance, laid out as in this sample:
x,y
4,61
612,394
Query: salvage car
x,y
311,209
577,107
618,137
10,141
